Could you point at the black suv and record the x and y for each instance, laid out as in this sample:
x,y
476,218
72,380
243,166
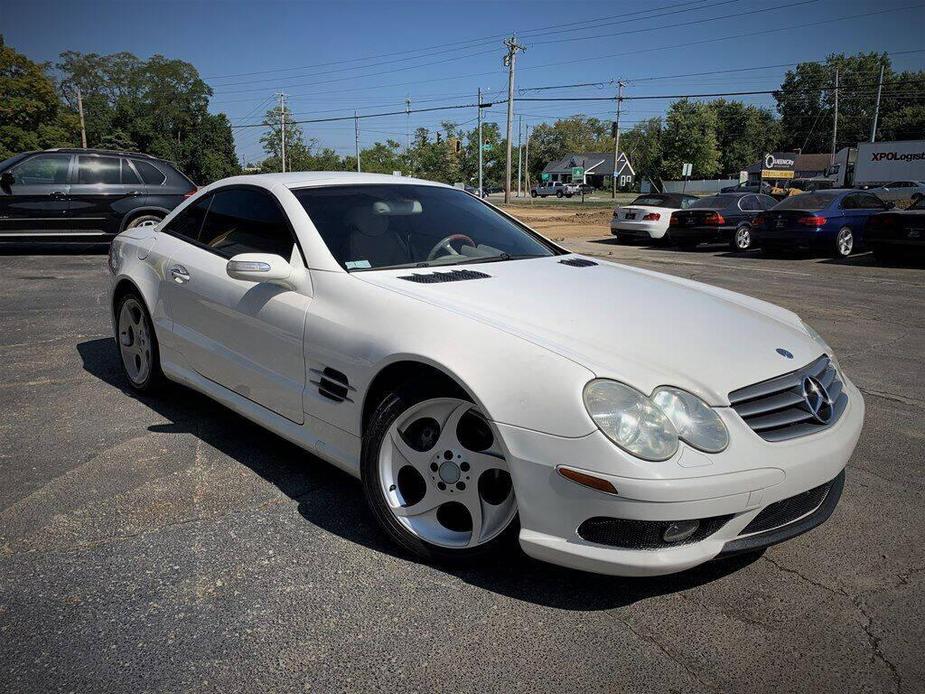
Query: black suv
x,y
85,193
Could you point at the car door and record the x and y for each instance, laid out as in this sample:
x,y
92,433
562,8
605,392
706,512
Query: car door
x,y
866,204
245,336
103,190
34,197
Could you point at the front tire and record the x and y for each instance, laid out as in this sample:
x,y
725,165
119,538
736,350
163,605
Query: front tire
x,y
532,193
435,478
137,344
559,194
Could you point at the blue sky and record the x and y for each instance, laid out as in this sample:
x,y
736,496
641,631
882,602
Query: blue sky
x,y
336,57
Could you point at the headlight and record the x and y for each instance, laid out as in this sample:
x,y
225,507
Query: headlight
x,y
696,422
631,420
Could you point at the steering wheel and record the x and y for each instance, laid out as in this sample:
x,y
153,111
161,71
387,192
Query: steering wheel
x,y
445,245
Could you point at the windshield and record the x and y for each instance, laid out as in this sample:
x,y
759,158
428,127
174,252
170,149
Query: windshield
x,y
651,200
369,227
716,201
805,201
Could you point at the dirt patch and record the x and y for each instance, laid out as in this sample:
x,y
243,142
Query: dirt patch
x,y
563,224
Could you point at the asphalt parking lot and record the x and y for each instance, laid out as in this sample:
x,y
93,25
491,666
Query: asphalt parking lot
x,y
168,544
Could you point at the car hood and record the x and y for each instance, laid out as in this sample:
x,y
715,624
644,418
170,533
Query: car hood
x,y
640,327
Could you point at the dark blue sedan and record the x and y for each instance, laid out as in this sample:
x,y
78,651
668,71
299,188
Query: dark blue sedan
x,y
832,221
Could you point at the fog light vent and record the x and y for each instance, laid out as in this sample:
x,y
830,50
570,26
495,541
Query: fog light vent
x,y
680,531
638,534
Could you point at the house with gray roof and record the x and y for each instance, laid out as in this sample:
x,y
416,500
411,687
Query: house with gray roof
x,y
598,168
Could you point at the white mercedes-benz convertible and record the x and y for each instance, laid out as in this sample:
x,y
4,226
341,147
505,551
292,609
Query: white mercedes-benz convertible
x,y
483,382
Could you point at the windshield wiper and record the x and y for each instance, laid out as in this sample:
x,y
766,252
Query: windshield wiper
x,y
497,258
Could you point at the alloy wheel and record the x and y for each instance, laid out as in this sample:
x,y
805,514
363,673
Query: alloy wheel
x,y
443,475
743,238
844,242
135,341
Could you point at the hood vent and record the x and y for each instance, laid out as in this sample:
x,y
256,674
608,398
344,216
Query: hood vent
x,y
577,262
451,276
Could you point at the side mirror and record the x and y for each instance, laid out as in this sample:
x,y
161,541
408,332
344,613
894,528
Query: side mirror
x,y
259,267
6,179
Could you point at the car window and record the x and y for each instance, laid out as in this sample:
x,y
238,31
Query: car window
x,y
150,174
245,220
94,170
688,201
382,225
716,201
749,202
128,175
867,201
766,202
918,204
653,201
805,201
42,169
188,222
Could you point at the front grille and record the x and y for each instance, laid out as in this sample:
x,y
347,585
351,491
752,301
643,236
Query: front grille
x,y
637,534
776,409
788,510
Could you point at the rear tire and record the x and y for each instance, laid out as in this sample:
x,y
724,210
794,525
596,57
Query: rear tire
x,y
136,342
141,219
434,513
532,193
843,245
742,239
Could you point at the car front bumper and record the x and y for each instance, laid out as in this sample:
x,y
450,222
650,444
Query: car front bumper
x,y
732,487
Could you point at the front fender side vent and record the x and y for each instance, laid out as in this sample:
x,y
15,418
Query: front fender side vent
x,y
332,384
451,276
578,262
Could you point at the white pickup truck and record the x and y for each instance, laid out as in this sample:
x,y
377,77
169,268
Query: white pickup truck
x,y
557,188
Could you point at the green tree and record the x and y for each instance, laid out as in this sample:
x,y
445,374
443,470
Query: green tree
x,y
158,106
743,134
643,146
806,102
31,115
690,136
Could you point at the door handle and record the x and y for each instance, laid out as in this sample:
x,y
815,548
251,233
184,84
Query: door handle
x,y
180,274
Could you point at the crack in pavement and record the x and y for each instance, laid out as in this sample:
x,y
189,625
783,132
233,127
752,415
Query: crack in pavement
x,y
895,398
876,645
651,640
835,591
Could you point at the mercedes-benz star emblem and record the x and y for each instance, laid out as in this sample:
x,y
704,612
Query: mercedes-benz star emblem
x,y
817,400
784,353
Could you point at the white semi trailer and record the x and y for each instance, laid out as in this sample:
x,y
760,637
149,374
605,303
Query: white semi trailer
x,y
875,163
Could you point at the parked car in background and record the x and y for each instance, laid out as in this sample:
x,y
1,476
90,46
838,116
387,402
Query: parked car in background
x,y
828,220
557,188
746,187
900,190
85,193
898,234
647,216
725,217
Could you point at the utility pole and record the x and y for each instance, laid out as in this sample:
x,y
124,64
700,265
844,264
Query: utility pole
x,y
282,129
616,140
478,108
356,138
408,134
509,60
520,137
83,129
527,164
873,128
835,121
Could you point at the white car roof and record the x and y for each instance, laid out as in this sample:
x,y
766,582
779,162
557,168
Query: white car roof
x,y
308,179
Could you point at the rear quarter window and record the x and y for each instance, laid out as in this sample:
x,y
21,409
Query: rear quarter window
x,y
149,173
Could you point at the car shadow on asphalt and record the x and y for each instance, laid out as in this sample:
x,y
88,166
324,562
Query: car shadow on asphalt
x,y
52,248
333,501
